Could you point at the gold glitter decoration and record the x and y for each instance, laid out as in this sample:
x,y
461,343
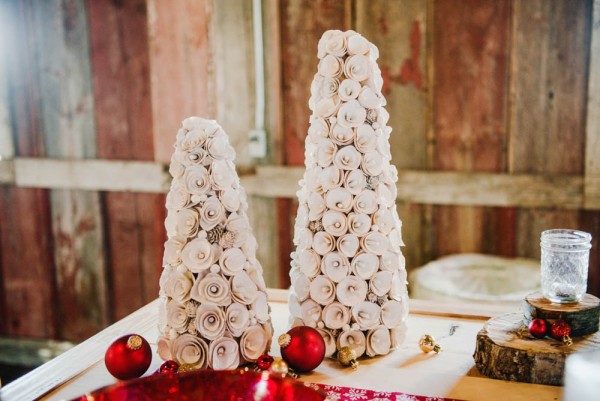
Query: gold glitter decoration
x,y
134,342
427,344
347,357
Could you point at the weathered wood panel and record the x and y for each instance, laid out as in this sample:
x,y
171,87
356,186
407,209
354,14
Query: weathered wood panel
x,y
592,141
61,43
548,104
262,209
549,73
27,270
302,24
590,222
135,233
179,67
399,29
470,54
233,72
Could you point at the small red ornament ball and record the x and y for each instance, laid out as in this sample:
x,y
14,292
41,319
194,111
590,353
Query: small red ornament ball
x,y
169,366
560,329
128,357
538,328
264,362
302,348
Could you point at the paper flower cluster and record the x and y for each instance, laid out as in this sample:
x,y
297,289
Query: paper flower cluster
x,y
213,305
348,275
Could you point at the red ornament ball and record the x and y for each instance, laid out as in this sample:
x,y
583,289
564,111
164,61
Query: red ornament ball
x,y
560,329
264,362
128,357
302,348
169,366
538,328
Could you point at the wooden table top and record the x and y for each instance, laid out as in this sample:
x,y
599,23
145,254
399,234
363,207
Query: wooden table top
x,y
450,374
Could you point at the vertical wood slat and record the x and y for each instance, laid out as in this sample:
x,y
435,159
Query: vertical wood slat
x,y
262,209
232,27
548,98
302,24
179,67
399,29
592,144
590,220
66,104
26,255
134,221
470,52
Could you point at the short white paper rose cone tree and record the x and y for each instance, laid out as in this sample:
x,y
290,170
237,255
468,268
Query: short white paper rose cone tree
x,y
348,275
213,309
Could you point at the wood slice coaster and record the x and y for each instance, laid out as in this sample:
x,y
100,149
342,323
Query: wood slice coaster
x,y
583,317
505,350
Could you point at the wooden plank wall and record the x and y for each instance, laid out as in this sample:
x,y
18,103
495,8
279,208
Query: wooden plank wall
x,y
473,86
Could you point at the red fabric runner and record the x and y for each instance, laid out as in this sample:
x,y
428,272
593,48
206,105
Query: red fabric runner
x,y
339,393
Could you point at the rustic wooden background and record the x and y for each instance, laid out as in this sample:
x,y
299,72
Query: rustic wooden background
x,y
495,106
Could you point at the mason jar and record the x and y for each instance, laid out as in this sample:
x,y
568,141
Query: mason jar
x,y
565,260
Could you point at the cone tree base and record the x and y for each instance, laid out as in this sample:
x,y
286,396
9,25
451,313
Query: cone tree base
x,y
505,350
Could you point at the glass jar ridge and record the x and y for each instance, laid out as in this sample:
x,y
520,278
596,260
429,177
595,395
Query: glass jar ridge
x,y
564,262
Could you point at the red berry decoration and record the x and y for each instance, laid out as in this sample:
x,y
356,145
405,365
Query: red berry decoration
x,y
538,328
302,348
264,362
128,357
169,366
560,330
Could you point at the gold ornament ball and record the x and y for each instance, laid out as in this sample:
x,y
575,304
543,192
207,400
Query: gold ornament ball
x,y
347,357
185,368
427,344
279,366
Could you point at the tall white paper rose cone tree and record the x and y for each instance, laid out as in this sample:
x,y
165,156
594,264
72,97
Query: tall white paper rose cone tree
x,y
213,309
348,275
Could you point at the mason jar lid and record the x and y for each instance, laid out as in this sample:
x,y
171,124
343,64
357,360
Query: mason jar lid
x,y
566,240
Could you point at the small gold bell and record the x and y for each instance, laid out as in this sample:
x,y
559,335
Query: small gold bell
x,y
427,344
279,366
347,357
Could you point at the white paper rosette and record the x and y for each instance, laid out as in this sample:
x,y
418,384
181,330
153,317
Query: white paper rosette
x,y
335,266
178,285
310,262
190,350
354,339
254,342
359,224
336,315
223,354
322,290
331,177
366,314
339,199
379,341
238,319
213,309
349,89
198,255
355,181
351,290
212,289
330,346
348,275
